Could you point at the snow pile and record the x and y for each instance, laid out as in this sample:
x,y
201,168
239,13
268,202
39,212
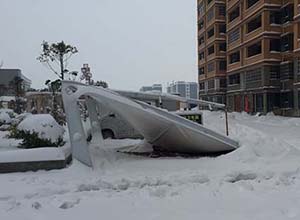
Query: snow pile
x,y
260,180
260,137
4,118
37,154
20,118
10,112
43,124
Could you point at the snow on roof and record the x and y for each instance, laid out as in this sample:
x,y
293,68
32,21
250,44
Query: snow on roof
x,y
7,98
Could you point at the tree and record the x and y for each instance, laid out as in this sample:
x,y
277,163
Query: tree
x,y
56,57
101,83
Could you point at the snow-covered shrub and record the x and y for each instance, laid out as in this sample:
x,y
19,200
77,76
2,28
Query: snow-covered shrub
x,y
4,118
17,120
39,131
10,112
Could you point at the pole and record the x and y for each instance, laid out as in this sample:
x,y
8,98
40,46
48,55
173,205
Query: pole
x,y
226,121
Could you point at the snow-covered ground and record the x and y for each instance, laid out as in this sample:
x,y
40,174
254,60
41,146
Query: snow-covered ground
x,y
260,180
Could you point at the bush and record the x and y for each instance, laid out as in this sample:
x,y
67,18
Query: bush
x,y
31,139
14,132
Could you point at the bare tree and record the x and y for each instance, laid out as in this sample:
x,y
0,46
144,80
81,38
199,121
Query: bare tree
x,y
1,64
56,57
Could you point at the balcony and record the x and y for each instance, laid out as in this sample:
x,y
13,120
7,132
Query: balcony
x,y
234,39
253,53
252,6
234,60
231,3
234,17
211,52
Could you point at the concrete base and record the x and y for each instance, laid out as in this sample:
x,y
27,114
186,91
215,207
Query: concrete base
x,y
35,165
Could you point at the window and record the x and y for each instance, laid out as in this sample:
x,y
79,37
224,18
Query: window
x,y
254,24
201,56
210,67
222,83
201,25
211,50
222,28
274,72
201,70
222,46
222,65
286,71
251,2
201,40
210,14
298,72
209,1
222,10
234,14
211,84
234,57
275,17
253,75
287,42
287,13
234,35
211,33
234,79
275,45
201,86
201,8
254,49
298,99
287,100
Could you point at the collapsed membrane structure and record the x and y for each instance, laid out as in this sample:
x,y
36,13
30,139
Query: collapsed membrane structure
x,y
159,127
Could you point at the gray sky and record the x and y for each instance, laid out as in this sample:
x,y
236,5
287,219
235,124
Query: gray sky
x,y
128,43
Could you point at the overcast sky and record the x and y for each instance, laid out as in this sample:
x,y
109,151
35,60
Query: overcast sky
x,y
128,43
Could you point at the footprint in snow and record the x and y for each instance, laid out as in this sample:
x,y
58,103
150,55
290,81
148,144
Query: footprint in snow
x,y
69,204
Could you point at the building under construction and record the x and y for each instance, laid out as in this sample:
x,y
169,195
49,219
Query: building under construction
x,y
248,54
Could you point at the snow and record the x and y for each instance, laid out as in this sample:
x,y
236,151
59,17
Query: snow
x,y
4,118
7,98
44,125
260,180
36,154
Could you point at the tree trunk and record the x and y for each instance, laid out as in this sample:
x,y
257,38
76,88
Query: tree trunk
x,y
61,60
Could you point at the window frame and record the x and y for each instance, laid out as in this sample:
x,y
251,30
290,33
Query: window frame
x,y
237,59
251,49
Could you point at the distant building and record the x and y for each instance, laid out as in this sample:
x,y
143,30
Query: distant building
x,y
154,87
7,77
184,89
41,102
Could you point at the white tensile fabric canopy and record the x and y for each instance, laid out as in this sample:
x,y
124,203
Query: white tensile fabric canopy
x,y
159,127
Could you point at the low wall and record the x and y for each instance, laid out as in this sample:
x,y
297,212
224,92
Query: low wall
x,y
10,167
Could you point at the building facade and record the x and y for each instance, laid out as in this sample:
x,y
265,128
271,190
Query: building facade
x,y
184,89
262,43
154,87
7,81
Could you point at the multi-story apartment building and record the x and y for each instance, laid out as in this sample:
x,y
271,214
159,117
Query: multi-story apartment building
x,y
184,89
262,46
212,49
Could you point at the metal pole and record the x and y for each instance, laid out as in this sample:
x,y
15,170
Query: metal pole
x,y
226,121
